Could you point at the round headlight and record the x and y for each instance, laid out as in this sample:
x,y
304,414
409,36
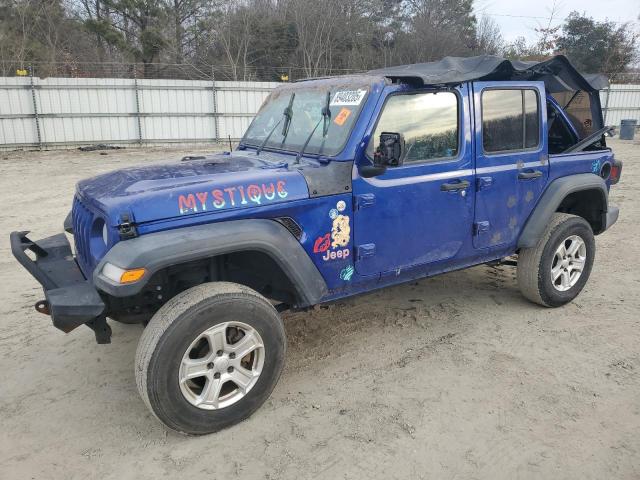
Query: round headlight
x,y
99,238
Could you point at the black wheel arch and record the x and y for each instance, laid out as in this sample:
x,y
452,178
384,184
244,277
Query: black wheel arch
x,y
254,245
585,195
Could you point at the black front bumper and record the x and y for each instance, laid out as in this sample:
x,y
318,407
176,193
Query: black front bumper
x,y
71,300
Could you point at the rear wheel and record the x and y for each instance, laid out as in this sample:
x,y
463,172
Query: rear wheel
x,y
210,357
555,271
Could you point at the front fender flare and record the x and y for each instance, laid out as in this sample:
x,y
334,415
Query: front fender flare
x,y
156,251
551,199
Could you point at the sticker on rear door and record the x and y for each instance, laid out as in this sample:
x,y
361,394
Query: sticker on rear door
x,y
348,97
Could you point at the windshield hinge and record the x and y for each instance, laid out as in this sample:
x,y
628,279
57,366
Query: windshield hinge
x,y
127,227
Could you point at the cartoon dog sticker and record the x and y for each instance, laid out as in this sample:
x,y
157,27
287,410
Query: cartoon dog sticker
x,y
340,232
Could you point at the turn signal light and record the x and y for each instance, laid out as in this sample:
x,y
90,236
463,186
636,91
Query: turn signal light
x,y
130,276
120,275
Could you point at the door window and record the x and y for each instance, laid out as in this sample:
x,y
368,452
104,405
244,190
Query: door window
x,y
510,120
428,121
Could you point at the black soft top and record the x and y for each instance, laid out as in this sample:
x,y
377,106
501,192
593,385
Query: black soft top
x,y
557,73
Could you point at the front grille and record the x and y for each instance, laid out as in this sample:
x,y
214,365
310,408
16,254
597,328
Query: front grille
x,y
82,221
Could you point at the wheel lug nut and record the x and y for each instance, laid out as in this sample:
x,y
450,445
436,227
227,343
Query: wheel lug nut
x,y
210,365
219,353
232,355
216,375
230,369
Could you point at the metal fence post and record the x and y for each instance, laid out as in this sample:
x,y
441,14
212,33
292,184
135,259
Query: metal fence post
x,y
135,83
35,108
216,120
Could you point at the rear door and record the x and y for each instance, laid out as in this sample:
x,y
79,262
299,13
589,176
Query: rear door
x,y
511,158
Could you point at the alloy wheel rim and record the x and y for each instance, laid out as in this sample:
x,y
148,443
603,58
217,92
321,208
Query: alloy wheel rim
x,y
221,365
568,263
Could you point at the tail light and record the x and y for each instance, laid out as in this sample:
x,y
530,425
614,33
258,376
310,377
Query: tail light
x,y
616,172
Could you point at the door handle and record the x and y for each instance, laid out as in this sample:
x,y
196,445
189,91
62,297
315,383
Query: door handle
x,y
530,175
453,186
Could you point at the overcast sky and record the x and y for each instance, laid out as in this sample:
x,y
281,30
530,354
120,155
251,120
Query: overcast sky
x,y
513,15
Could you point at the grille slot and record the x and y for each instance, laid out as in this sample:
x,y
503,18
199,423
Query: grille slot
x,y
82,221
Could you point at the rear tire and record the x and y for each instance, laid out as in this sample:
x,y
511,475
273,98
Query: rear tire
x,y
556,270
187,369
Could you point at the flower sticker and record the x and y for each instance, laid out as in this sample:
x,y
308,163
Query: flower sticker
x,y
347,273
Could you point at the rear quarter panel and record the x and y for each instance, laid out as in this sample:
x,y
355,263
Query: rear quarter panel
x,y
564,164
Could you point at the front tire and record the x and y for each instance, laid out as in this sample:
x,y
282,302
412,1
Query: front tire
x,y
210,357
556,270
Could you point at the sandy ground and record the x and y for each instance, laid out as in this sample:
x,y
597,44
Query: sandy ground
x,y
453,377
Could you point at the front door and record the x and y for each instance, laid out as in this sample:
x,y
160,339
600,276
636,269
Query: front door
x,y
511,158
420,212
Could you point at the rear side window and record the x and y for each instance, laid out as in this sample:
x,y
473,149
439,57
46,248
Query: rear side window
x,y
578,107
428,121
510,120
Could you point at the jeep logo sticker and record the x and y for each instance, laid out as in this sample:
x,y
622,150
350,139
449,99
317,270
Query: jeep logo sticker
x,y
336,254
229,197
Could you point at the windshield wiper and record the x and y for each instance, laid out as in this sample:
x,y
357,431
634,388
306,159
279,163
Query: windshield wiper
x,y
288,115
266,139
326,115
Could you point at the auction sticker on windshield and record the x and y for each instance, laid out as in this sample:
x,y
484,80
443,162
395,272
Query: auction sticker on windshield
x,y
348,97
342,116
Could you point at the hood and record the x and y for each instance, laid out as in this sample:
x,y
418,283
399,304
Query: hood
x,y
206,184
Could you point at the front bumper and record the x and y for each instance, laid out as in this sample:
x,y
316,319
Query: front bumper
x,y
71,300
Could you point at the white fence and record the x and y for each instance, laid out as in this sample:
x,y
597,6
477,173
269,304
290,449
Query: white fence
x,y
620,102
59,112
64,112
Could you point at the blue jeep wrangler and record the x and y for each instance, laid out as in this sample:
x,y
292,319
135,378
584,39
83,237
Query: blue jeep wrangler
x,y
340,186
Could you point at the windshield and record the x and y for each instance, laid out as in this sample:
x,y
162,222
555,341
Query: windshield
x,y
289,132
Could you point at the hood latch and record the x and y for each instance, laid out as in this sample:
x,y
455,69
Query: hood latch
x,y
127,227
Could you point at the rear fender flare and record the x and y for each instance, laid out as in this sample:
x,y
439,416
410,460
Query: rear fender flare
x,y
156,251
551,199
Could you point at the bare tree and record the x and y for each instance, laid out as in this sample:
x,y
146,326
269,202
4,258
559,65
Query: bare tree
x,y
315,24
184,16
233,33
547,33
488,37
251,39
438,28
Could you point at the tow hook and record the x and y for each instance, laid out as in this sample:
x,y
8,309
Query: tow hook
x,y
42,307
101,329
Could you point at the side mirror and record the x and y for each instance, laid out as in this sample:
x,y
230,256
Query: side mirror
x,y
389,152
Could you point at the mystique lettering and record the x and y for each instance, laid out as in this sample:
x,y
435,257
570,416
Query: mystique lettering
x,y
229,197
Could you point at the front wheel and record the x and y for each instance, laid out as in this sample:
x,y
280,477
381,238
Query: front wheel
x,y
210,357
555,271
